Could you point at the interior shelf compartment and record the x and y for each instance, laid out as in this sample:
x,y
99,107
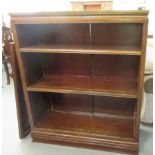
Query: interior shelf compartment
x,y
90,38
114,75
84,114
89,125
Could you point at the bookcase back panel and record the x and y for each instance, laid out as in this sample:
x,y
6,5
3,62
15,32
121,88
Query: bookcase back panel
x,y
68,64
26,34
72,103
116,67
32,34
117,34
114,105
33,67
40,104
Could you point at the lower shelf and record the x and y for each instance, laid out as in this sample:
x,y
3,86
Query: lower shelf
x,y
87,124
86,131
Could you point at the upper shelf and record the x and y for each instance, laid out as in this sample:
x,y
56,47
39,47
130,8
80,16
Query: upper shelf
x,y
83,49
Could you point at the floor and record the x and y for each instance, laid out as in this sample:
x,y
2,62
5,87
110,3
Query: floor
x,y
12,145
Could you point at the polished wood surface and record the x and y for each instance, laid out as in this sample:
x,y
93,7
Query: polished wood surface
x,y
77,17
87,124
84,85
141,79
23,122
82,49
82,75
82,13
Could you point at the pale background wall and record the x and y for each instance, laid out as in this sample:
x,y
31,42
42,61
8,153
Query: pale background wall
x,y
65,5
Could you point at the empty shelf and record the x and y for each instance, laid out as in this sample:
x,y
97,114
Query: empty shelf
x,y
83,85
83,49
87,124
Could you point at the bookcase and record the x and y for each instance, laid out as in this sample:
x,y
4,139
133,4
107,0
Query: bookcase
x,y
82,75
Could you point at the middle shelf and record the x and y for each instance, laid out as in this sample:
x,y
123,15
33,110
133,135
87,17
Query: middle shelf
x,y
85,85
83,49
110,75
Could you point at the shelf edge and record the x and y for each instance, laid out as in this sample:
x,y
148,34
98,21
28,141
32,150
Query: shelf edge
x,y
32,50
84,92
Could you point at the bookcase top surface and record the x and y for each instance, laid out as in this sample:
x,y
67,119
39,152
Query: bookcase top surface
x,y
82,13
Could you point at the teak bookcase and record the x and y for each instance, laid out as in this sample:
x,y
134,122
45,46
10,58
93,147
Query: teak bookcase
x,y
82,75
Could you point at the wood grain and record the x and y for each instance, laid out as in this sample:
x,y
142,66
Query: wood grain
x,y
82,85
23,121
77,13
87,124
82,49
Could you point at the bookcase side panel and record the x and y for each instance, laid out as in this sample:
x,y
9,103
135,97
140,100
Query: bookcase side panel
x,y
22,74
141,78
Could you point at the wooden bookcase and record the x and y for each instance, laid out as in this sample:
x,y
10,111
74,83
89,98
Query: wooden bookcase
x,y
82,75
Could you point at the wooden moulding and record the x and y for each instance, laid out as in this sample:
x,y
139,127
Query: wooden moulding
x,y
122,147
78,130
82,13
87,124
45,136
81,17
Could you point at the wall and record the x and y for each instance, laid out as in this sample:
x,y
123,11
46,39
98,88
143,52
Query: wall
x,y
65,5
